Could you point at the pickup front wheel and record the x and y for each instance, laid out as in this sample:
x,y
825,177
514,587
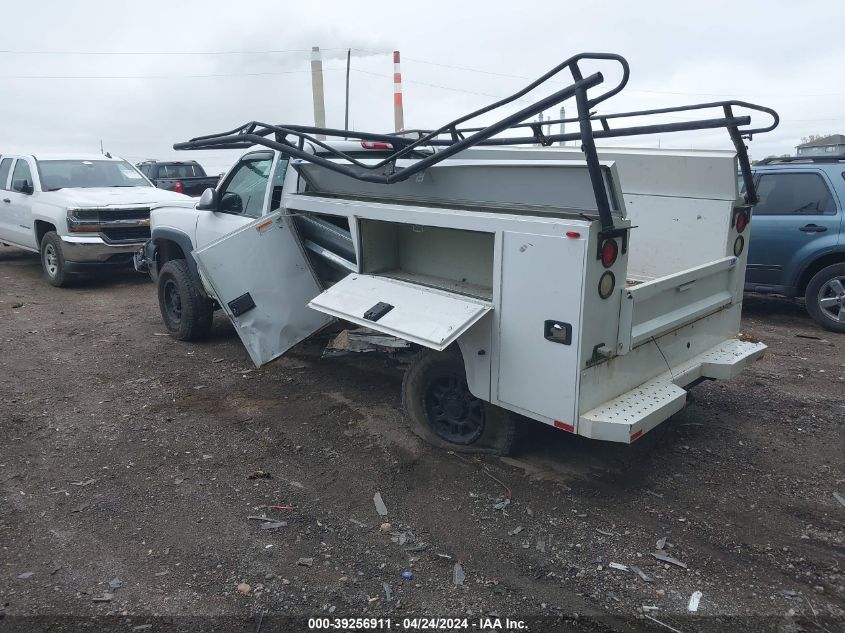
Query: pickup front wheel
x,y
53,260
186,311
443,412
825,298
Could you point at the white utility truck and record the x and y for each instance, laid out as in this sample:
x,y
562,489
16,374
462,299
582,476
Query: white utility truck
x,y
584,289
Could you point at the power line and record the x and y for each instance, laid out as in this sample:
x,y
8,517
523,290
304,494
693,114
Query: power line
x,y
140,53
255,74
627,90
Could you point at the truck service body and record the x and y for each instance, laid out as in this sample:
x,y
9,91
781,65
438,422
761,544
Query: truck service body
x,y
585,290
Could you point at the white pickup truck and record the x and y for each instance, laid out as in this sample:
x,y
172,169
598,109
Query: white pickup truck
x,y
584,289
80,212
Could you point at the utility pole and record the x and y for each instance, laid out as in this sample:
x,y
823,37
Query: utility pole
x,y
398,114
317,89
346,115
562,124
101,146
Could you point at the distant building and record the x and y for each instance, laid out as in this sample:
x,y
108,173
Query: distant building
x,y
828,145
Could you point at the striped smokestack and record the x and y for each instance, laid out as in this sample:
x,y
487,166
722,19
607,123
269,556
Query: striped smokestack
x,y
398,115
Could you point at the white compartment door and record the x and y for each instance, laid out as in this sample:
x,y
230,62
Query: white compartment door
x,y
426,316
540,324
262,281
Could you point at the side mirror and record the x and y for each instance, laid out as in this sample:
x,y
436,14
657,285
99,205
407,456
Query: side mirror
x,y
209,200
23,186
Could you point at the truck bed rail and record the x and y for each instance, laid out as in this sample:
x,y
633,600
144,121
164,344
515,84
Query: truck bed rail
x,y
449,139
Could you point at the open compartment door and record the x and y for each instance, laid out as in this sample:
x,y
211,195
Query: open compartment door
x,y
261,278
419,314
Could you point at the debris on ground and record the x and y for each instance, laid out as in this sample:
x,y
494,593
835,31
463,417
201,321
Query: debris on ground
x,y
260,474
26,575
306,562
357,522
267,507
362,341
639,572
516,530
379,502
694,599
244,588
417,547
618,566
661,543
15,306
839,498
115,583
388,592
407,575
106,597
385,527
458,575
604,532
273,525
501,505
662,556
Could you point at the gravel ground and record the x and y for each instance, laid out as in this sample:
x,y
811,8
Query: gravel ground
x,y
130,457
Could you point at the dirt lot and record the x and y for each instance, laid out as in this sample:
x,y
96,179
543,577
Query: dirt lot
x,y
127,455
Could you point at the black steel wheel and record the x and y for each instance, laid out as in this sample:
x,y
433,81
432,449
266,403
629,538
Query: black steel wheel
x,y
454,413
186,311
444,412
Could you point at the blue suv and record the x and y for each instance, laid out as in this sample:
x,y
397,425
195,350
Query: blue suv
x,y
797,247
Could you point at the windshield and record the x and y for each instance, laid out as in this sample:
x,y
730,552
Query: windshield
x,y
60,174
177,170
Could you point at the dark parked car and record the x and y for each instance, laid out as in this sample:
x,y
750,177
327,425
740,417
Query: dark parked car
x,y
797,247
186,177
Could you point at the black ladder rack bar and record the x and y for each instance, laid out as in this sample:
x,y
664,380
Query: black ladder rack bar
x,y
425,145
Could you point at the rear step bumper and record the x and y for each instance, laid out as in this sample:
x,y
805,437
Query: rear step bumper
x,y
627,417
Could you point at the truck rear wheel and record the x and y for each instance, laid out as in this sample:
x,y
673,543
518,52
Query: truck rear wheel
x,y
53,260
187,313
825,298
443,412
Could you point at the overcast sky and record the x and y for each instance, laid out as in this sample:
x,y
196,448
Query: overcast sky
x,y
142,76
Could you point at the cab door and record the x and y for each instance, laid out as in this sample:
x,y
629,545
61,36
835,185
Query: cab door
x,y
5,200
262,280
17,203
243,198
797,216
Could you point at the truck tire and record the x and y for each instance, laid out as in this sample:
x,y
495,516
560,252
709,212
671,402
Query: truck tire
x,y
825,298
444,413
186,311
53,260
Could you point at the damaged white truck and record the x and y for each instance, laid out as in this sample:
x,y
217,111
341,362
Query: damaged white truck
x,y
586,289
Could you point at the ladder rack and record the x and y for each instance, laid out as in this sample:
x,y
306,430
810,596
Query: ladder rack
x,y
449,139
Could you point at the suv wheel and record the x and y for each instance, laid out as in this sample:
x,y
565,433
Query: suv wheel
x,y
825,298
186,311
53,260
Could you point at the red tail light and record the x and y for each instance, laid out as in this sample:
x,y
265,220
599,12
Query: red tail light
x,y
376,145
609,253
178,188
741,220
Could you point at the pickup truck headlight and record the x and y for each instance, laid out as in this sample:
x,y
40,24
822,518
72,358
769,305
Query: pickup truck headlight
x,y
83,220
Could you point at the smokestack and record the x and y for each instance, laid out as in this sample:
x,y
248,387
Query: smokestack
x,y
317,89
398,114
